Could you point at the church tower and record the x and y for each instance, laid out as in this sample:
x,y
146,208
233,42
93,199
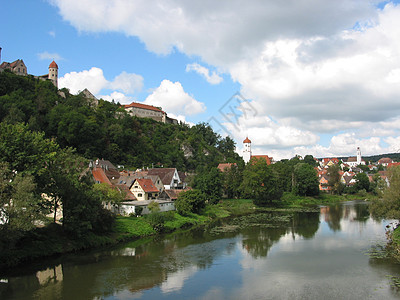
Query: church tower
x,y
53,73
358,156
247,150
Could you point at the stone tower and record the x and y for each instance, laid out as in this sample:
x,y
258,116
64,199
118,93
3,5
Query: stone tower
x,y
53,73
358,156
247,150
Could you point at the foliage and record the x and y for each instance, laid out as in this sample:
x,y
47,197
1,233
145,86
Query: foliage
x,y
334,179
261,182
389,205
154,207
108,194
108,131
191,201
209,182
231,180
362,182
305,180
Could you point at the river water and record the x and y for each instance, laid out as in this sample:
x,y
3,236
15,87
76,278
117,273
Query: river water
x,y
324,254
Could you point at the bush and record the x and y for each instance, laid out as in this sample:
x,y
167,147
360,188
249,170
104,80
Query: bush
x,y
191,201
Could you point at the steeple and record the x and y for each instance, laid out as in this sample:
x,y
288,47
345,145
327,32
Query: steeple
x,y
247,150
53,73
358,156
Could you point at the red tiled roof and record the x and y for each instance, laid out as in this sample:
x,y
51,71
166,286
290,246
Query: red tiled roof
x,y
266,157
53,65
247,140
147,185
393,164
143,106
100,176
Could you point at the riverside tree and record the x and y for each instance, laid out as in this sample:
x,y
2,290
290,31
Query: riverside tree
x,y
305,180
389,205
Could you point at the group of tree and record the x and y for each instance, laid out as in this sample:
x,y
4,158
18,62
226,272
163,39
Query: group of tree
x,y
36,177
257,180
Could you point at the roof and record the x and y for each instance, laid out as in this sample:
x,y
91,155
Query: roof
x,y
165,174
128,194
142,106
53,65
225,167
385,160
100,176
147,185
247,140
266,157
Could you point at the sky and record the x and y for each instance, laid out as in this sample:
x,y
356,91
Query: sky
x,y
297,77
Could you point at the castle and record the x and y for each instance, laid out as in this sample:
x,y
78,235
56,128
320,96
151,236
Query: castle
x,y
18,67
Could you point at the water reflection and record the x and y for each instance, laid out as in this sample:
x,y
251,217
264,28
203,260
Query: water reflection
x,y
282,255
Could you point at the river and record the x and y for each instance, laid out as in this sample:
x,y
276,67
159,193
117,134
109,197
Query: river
x,y
324,254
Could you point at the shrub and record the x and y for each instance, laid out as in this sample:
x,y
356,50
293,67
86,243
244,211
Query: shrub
x,y
191,201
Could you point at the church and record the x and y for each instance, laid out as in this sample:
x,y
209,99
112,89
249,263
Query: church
x,y
248,156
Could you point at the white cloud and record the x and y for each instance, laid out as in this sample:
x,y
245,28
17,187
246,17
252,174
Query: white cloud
x,y
49,56
314,67
117,97
172,98
127,82
214,78
92,79
95,82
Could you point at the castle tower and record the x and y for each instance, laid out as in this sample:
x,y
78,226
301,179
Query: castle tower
x,y
358,156
53,73
247,150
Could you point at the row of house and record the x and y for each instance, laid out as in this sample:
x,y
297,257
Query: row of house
x,y
140,187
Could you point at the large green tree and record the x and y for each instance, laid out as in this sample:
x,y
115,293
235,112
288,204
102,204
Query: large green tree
x,y
305,180
260,183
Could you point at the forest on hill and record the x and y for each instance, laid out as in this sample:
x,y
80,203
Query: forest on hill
x,y
107,131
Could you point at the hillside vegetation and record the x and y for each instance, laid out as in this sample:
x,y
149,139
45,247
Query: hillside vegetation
x,y
107,131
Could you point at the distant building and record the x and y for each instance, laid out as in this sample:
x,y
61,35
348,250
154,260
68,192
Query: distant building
x,y
18,67
355,161
53,74
148,111
248,156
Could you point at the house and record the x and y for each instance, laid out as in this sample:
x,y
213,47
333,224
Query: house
x,y
323,183
385,161
110,170
171,195
329,161
148,111
128,208
169,177
18,67
144,189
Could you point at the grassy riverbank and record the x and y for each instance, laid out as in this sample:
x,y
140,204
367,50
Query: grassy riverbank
x,y
52,240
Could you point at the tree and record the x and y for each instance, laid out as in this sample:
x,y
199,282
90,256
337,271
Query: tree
x,y
209,182
231,180
191,201
389,205
309,159
260,183
305,180
362,182
19,206
334,179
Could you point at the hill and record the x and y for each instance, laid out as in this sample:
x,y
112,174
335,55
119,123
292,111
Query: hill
x,y
107,131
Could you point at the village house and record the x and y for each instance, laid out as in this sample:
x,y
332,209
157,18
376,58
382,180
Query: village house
x,y
170,177
224,167
144,189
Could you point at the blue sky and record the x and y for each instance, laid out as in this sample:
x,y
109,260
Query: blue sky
x,y
314,77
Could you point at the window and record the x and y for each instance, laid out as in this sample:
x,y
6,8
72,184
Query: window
x,y
140,195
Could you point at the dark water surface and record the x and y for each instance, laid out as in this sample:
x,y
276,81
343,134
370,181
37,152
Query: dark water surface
x,y
309,255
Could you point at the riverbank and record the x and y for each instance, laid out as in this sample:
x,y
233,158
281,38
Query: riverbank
x,y
52,240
